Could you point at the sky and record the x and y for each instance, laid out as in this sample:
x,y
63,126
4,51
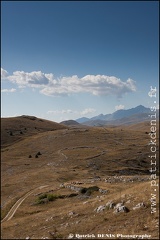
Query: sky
x,y
64,60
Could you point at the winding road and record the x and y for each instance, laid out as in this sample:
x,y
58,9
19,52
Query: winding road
x,y
18,203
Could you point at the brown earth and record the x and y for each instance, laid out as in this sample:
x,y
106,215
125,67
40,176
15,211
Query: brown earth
x,y
111,158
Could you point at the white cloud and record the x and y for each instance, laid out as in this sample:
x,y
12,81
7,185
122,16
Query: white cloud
x,y
92,84
32,79
8,90
69,111
119,107
60,111
4,74
87,111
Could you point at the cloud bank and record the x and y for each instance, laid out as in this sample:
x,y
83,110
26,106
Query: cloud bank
x,y
92,84
84,112
8,90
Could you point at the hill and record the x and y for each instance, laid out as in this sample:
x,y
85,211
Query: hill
x,y
15,128
69,123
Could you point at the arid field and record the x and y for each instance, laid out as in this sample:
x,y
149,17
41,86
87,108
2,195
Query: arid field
x,y
66,181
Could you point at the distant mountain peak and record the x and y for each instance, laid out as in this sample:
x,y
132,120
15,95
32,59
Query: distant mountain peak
x,y
139,110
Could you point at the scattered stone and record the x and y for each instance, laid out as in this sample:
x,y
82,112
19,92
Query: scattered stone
x,y
118,205
110,205
139,205
27,237
77,222
100,208
115,179
103,191
121,209
71,213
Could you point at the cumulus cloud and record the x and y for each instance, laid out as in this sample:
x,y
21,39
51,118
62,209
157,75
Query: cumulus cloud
x,y
92,84
4,74
8,90
119,107
32,79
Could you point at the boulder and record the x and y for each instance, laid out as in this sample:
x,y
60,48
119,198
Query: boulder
x,y
139,205
100,208
110,205
118,205
121,209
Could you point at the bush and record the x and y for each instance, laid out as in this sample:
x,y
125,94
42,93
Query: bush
x,y
41,201
39,153
52,197
83,190
44,195
45,198
94,188
89,190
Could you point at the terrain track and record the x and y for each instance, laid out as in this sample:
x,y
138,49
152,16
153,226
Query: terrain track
x,y
14,208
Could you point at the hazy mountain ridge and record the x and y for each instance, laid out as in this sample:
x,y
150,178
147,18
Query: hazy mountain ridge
x,y
120,117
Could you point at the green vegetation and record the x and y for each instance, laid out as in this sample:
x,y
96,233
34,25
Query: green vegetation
x,y
47,197
89,190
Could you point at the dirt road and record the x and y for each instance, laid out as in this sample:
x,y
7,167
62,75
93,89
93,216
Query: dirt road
x,y
18,203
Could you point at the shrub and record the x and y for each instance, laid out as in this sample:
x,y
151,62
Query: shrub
x,y
89,190
44,195
83,190
94,188
39,153
45,198
52,197
30,156
41,201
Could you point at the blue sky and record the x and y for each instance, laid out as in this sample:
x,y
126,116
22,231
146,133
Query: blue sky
x,y
64,60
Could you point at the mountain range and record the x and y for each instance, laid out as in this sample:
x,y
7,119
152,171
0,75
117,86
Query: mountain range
x,y
119,117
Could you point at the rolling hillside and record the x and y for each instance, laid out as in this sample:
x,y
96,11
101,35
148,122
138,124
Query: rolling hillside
x,y
16,128
58,180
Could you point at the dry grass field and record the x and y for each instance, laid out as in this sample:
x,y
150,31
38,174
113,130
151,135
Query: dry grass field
x,y
59,175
